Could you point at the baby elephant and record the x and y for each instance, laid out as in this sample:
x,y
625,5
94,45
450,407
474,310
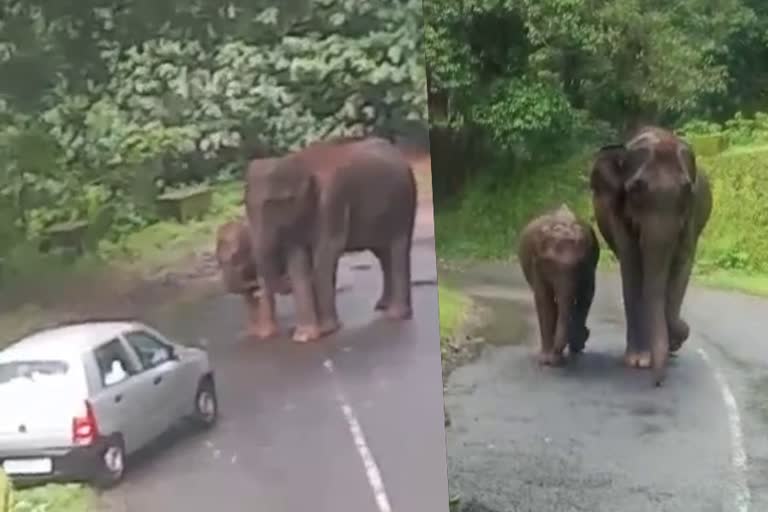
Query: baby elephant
x,y
559,255
238,269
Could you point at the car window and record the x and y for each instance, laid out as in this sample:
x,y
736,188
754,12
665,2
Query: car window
x,y
32,370
114,363
151,351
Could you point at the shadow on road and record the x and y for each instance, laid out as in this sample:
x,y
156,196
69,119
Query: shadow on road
x,y
179,438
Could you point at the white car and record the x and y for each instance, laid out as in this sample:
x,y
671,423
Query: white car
x,y
76,399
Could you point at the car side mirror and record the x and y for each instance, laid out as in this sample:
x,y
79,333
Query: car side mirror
x,y
172,355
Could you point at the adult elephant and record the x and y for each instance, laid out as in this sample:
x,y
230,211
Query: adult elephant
x,y
312,206
651,204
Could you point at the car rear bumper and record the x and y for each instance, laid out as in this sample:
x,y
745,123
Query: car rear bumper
x,y
78,463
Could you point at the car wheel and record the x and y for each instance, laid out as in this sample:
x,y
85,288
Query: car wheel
x,y
111,464
206,404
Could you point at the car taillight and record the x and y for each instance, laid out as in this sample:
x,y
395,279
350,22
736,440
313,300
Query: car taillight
x,y
84,428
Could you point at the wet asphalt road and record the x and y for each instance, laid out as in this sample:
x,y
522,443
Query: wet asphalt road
x,y
596,437
283,443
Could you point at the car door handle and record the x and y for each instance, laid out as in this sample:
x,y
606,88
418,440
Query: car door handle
x,y
118,399
157,380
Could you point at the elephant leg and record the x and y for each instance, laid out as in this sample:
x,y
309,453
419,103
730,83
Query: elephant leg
x,y
562,315
300,274
579,332
400,307
678,284
386,278
637,354
546,312
326,262
261,313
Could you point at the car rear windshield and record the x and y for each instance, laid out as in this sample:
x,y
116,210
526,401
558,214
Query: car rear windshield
x,y
33,370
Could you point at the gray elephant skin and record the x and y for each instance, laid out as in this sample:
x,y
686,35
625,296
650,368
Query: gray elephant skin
x,y
651,204
238,269
310,207
558,254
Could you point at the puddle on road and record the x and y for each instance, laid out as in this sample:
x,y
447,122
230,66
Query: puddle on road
x,y
502,300
505,323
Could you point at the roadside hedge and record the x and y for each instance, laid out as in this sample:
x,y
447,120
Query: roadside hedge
x,y
735,235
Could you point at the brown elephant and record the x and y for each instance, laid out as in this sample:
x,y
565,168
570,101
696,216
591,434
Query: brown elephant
x,y
312,206
651,204
238,269
558,254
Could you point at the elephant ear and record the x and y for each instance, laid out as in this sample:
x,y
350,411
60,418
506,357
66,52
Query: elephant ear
x,y
688,159
289,180
608,169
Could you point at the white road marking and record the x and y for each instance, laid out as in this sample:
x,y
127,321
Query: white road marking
x,y
742,496
371,468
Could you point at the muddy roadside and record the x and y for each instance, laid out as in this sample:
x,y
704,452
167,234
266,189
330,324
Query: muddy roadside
x,y
496,315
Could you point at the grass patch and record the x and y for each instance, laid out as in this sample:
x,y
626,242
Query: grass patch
x,y
753,284
54,498
48,498
454,307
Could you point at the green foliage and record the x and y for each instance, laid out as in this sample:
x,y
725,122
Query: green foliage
x,y
523,114
497,205
486,223
739,130
49,498
734,238
6,493
103,106
538,77
54,498
707,145
453,310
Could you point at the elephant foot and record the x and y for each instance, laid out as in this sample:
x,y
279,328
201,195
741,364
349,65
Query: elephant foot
x,y
382,304
576,348
678,334
329,327
398,312
637,359
306,333
577,344
550,358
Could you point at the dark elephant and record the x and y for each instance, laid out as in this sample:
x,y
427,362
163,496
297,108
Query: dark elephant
x,y
651,204
238,269
558,254
312,206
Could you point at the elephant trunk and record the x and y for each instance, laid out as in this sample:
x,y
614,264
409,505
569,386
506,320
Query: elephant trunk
x,y
656,251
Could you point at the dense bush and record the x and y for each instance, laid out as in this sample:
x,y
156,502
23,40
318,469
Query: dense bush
x,y
164,101
735,235
533,80
738,130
